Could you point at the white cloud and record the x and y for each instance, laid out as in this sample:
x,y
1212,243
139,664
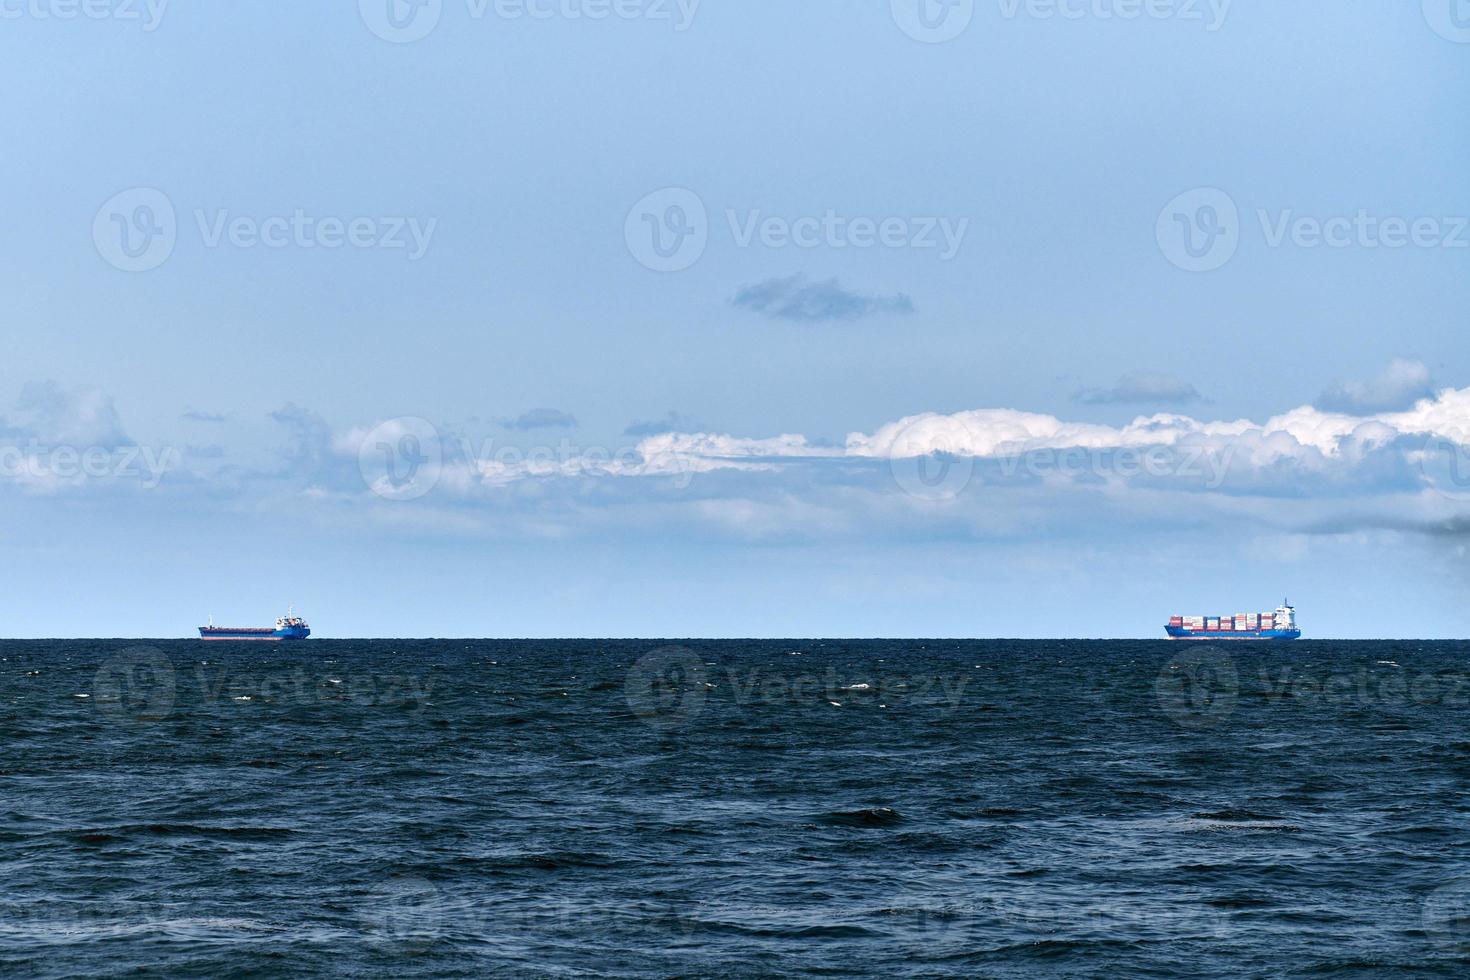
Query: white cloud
x,y
1403,383
1010,473
1305,452
1001,431
1302,451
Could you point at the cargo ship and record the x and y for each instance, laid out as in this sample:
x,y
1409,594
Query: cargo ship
x,y
1278,625
288,627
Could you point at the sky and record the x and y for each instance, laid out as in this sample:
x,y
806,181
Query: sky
x,y
676,318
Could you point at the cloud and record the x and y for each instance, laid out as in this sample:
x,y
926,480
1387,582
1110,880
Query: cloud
x,y
1142,387
793,298
71,440
1001,431
311,436
1303,454
1022,475
539,418
671,422
1453,527
195,415
49,414
313,456
1401,384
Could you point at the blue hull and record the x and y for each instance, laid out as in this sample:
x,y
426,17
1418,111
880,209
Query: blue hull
x,y
1184,633
264,634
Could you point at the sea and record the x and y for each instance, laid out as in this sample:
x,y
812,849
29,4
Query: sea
x,y
734,808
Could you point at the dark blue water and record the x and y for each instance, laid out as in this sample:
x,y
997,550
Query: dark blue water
x,y
640,809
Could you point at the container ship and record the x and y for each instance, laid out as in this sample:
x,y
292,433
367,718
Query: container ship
x,y
1280,625
288,627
